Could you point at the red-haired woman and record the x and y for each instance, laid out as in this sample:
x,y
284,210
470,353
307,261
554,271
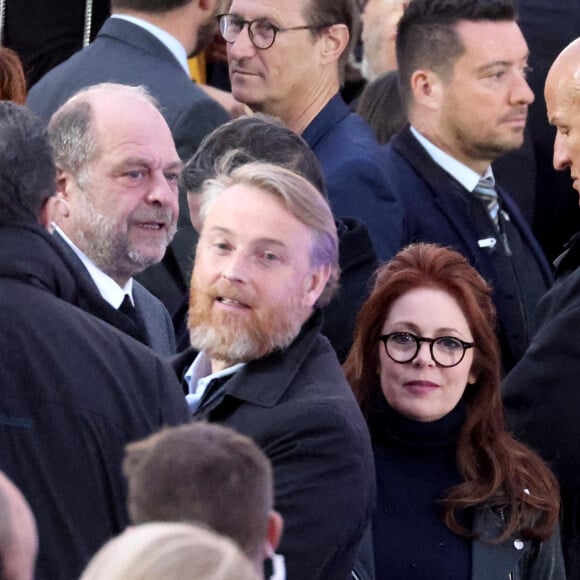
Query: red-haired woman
x,y
458,497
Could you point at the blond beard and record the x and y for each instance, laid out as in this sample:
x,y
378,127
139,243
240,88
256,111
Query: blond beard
x,y
231,338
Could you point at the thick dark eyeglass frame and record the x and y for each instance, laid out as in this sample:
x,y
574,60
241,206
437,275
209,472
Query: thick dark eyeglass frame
x,y
430,341
275,29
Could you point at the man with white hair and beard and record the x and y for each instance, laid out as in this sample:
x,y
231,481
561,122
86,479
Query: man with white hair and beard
x,y
379,36
266,260
117,178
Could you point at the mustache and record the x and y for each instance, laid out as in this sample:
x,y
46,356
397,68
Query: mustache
x,y
516,114
161,214
224,289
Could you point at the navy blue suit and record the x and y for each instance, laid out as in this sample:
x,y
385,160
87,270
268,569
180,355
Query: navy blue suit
x,y
437,208
126,53
353,170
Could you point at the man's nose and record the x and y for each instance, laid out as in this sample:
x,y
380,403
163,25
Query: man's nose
x,y
242,47
561,158
235,268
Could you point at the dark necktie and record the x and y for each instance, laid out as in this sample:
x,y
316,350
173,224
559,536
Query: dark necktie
x,y
130,310
485,190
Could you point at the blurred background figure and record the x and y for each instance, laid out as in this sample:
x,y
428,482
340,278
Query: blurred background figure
x,y
169,551
44,34
12,81
379,35
425,369
18,534
381,107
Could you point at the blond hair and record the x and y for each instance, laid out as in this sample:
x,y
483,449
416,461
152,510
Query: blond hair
x,y
169,551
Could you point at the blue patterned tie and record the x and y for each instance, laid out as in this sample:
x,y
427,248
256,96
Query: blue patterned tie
x,y
485,190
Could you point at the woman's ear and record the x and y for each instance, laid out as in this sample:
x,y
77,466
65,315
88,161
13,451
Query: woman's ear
x,y
472,378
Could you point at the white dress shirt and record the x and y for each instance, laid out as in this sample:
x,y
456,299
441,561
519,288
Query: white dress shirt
x,y
109,289
465,175
199,376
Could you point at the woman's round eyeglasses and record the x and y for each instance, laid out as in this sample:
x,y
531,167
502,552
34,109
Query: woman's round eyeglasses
x,y
446,351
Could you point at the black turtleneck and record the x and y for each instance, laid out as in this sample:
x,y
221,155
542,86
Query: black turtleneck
x,y
415,465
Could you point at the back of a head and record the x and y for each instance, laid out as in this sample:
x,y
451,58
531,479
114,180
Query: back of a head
x,y
27,173
427,39
254,138
169,551
202,473
12,80
380,106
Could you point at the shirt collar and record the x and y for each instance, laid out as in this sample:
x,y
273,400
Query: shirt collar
x,y
168,40
108,288
198,376
465,175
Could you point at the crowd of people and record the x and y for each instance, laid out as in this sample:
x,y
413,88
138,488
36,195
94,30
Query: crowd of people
x,y
249,333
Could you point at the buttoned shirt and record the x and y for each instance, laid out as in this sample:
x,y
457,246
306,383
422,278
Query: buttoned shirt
x,y
465,175
199,376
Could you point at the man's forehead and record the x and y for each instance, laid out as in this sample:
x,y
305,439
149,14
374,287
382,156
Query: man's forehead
x,y
250,212
275,9
487,40
562,100
137,131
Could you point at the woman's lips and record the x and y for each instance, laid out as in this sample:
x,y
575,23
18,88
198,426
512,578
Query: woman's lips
x,y
421,386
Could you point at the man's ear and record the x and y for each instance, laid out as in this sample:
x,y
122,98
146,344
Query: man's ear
x,y
63,183
336,39
427,88
48,212
315,283
274,533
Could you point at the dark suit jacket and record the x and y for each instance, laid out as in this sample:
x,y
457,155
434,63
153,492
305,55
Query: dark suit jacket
x,y
45,34
156,329
541,396
126,53
353,170
297,406
434,211
75,391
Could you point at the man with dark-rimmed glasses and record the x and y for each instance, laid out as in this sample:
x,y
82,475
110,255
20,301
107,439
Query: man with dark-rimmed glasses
x,y
286,58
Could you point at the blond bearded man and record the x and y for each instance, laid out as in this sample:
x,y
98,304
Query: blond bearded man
x,y
266,261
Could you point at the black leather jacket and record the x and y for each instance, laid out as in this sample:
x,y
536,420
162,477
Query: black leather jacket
x,y
513,559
